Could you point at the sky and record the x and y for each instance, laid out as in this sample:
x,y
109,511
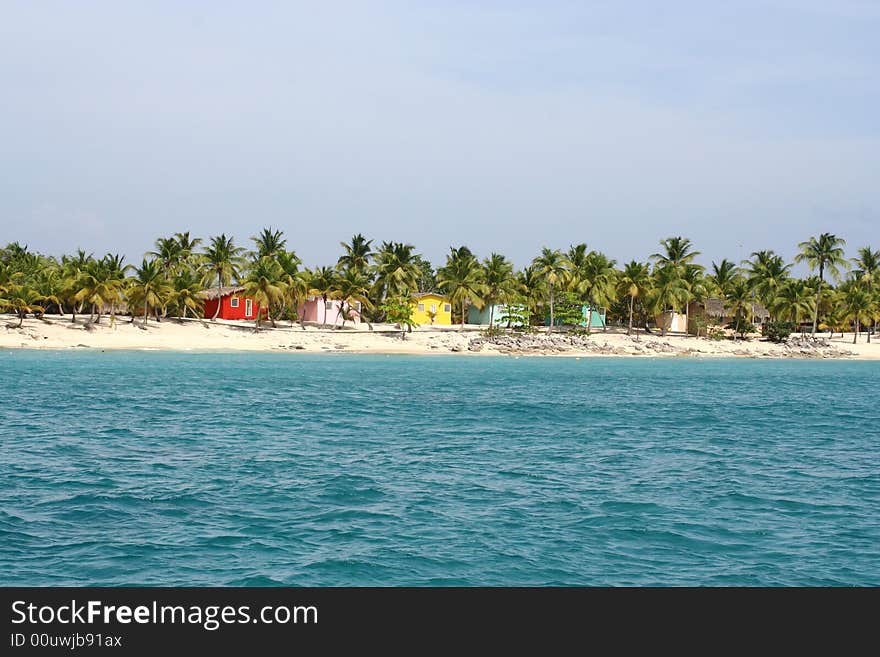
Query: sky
x,y
505,126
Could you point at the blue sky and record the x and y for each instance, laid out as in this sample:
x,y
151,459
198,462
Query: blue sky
x,y
506,126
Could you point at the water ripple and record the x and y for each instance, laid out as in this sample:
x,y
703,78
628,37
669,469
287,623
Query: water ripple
x,y
267,470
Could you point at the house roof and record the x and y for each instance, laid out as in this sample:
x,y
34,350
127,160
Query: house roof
x,y
758,310
420,295
213,293
716,308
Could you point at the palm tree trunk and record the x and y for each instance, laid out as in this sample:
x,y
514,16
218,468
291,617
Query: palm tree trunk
x,y
856,334
269,312
324,316
462,314
145,312
219,301
20,318
629,329
816,310
491,316
338,313
550,328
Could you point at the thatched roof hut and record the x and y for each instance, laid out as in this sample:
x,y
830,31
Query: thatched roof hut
x,y
214,292
715,307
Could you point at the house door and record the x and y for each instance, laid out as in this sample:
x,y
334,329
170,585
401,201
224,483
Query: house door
x,y
248,307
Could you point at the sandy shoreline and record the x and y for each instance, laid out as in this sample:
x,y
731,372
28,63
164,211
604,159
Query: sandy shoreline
x,y
198,335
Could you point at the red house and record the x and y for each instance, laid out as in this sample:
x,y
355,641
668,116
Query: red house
x,y
232,304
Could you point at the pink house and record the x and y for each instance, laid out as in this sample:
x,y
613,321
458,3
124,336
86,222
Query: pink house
x,y
316,310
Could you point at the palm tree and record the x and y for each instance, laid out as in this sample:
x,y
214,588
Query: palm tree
x,y
170,254
634,282
49,285
766,273
593,276
678,254
461,278
723,276
867,270
739,300
263,284
678,251
357,254
322,282
187,247
552,267
353,285
397,270
269,243
294,281
857,304
72,268
116,272
669,290
184,294
793,301
100,283
222,260
530,285
22,299
8,276
822,253
498,282
149,287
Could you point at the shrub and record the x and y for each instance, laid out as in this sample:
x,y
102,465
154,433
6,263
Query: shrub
x,y
742,326
777,331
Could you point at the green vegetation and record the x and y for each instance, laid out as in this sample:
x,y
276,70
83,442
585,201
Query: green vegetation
x,y
378,282
777,331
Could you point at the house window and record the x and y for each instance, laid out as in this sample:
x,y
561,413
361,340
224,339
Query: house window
x,y
421,307
433,307
233,303
248,307
357,306
328,305
447,308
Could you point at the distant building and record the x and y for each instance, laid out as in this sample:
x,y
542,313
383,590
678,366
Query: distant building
x,y
672,321
500,314
315,309
232,304
430,309
716,310
596,317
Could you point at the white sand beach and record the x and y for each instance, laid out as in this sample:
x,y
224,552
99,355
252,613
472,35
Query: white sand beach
x,y
205,335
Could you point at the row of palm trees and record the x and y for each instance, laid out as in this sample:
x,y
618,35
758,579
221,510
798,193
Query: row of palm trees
x,y
841,293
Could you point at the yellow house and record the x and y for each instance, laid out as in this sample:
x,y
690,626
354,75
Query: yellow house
x,y
431,309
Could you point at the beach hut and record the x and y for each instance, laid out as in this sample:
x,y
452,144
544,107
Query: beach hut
x,y
232,304
595,317
672,321
316,309
431,309
716,310
499,313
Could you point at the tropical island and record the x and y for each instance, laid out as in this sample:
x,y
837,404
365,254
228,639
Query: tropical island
x,y
190,294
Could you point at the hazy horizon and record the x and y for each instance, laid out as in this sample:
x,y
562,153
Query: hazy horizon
x,y
503,126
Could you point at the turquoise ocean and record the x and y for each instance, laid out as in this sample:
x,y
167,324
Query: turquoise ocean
x,y
136,468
